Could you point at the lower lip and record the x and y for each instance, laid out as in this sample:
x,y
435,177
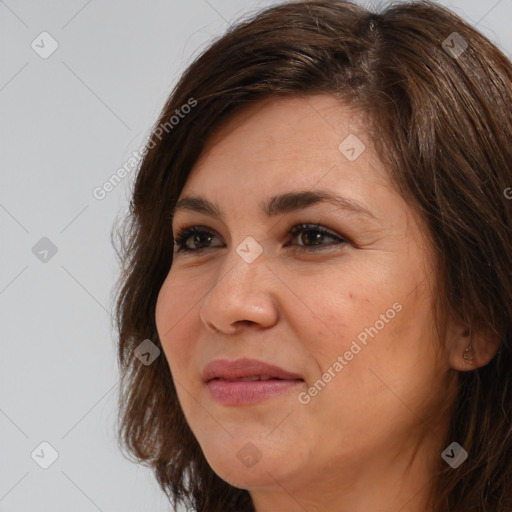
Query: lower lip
x,y
247,392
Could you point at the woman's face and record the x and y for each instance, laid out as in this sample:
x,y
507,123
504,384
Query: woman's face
x,y
346,314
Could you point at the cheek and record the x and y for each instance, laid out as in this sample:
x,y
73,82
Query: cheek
x,y
174,308
176,300
331,306
174,305
371,319
388,365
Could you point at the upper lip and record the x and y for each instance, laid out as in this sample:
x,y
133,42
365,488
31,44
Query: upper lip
x,y
241,368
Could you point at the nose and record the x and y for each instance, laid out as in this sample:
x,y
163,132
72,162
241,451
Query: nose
x,y
242,295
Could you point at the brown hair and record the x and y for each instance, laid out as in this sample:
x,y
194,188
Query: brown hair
x,y
445,133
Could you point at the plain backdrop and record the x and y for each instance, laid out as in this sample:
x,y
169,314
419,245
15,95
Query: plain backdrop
x,y
81,83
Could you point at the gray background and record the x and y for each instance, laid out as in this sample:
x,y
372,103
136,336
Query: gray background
x,y
69,121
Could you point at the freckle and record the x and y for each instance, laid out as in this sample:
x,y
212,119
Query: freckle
x,y
351,295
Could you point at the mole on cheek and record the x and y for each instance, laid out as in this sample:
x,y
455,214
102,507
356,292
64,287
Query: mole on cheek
x,y
355,298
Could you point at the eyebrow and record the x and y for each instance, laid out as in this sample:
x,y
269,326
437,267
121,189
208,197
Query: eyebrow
x,y
276,205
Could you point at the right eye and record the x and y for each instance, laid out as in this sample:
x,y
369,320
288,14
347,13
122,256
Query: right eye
x,y
194,236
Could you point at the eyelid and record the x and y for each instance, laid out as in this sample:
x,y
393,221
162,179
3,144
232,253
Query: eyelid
x,y
309,226
196,227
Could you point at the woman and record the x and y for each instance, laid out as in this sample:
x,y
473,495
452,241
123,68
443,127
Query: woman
x,y
319,248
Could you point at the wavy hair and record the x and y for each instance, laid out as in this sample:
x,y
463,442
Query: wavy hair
x,y
437,95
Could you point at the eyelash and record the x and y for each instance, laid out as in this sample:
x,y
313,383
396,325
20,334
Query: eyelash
x,y
183,235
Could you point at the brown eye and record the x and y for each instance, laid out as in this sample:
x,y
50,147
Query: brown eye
x,y
193,239
309,236
312,236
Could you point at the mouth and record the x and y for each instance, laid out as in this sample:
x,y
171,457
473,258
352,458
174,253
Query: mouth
x,y
245,381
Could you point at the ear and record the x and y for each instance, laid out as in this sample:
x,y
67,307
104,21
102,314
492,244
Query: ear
x,y
469,348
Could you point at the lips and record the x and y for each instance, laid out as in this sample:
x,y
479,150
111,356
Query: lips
x,y
246,381
245,370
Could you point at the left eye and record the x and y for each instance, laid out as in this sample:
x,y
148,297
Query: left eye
x,y
314,235
311,236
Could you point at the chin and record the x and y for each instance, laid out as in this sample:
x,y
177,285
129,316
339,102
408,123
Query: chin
x,y
261,474
246,462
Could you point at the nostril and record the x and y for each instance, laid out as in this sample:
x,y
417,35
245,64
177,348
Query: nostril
x,y
245,322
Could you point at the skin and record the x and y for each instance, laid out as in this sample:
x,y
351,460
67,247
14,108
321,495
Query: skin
x,y
372,438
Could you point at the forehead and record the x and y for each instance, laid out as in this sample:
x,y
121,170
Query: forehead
x,y
288,142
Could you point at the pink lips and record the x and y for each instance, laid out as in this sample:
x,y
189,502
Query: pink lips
x,y
245,381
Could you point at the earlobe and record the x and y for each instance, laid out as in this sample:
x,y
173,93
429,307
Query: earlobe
x,y
468,355
463,353
473,350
